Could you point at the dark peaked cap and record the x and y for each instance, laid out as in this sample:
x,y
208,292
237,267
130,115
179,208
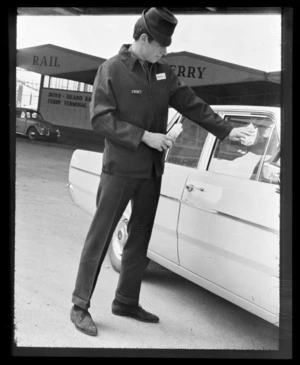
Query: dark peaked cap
x,y
160,23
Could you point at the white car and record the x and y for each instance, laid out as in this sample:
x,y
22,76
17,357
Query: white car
x,y
217,222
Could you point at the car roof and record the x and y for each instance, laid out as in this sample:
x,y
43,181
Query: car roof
x,y
249,108
254,109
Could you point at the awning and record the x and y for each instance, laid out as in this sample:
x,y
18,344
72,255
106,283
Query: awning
x,y
52,60
197,71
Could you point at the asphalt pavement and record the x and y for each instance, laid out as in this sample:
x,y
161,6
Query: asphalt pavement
x,y
49,234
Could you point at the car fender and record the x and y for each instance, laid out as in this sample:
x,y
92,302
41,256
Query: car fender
x,y
29,124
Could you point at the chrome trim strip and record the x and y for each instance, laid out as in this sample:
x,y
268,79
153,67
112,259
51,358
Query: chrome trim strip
x,y
271,230
197,207
171,198
88,172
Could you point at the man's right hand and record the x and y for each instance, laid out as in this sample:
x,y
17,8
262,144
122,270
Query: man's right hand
x,y
158,141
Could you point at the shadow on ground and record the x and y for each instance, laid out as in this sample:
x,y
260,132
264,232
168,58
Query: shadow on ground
x,y
76,139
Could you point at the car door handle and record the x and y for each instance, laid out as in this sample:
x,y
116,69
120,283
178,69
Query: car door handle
x,y
191,187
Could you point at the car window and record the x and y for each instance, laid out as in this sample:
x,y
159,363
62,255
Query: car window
x,y
242,159
28,115
188,146
23,114
36,115
270,168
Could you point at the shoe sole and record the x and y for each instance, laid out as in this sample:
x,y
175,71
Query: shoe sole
x,y
82,331
124,314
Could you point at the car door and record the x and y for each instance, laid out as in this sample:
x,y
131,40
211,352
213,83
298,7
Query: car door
x,y
180,161
20,121
228,231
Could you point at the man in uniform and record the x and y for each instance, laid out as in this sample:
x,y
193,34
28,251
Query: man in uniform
x,y
129,107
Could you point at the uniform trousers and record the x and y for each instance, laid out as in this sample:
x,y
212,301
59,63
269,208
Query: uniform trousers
x,y
113,196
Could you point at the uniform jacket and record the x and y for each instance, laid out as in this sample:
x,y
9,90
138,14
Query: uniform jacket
x,y
126,101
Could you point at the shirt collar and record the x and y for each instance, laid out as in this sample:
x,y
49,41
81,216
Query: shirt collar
x,y
128,57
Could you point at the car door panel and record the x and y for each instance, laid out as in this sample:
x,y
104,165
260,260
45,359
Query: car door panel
x,y
164,236
250,258
233,252
20,125
228,234
181,160
235,197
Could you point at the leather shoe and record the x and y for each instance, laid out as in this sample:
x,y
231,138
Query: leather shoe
x,y
83,321
133,311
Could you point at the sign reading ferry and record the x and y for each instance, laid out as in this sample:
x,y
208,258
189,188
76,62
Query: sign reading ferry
x,y
196,70
188,71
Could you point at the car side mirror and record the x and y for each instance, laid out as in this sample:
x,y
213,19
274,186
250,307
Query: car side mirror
x,y
271,173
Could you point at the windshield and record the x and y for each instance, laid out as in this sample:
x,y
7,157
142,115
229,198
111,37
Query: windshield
x,y
34,115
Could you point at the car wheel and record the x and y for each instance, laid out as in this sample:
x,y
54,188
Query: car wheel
x,y
117,243
32,133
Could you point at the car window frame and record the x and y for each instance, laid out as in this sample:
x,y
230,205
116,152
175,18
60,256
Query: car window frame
x,y
178,117
277,156
262,161
214,140
175,120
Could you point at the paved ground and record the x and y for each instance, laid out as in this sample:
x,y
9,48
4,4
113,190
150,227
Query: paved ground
x,y
49,235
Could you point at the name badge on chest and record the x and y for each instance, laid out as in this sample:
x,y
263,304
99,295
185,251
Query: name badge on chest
x,y
161,76
137,92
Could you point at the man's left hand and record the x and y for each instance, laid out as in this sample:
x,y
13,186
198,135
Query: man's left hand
x,y
238,134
